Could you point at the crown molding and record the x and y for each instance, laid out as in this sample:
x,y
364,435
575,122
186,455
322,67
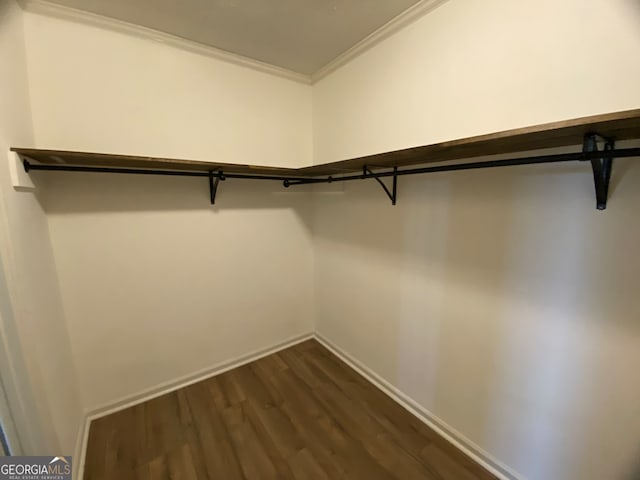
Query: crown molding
x,y
396,24
42,7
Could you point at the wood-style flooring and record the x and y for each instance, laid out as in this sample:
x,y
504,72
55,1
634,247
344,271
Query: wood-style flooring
x,y
300,413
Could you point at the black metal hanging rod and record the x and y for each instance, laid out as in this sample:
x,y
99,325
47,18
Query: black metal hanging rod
x,y
540,159
28,166
292,180
601,162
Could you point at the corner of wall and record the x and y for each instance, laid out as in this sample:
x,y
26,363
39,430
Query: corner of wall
x,y
45,421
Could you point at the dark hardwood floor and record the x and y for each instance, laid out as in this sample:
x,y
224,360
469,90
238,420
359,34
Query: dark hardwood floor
x,y
298,414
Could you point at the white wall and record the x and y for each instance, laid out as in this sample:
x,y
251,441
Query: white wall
x,y
156,283
36,359
472,67
100,90
486,296
501,301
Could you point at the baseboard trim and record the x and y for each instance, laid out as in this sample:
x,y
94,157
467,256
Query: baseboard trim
x,y
171,386
81,448
442,428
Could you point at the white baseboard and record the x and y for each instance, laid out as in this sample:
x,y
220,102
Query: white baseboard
x,y
81,448
168,387
450,434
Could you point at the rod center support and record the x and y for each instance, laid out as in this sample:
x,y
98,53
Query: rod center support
x,y
601,167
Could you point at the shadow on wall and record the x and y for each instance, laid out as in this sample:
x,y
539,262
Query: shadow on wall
x,y
502,301
472,222
63,192
635,475
635,4
147,260
12,366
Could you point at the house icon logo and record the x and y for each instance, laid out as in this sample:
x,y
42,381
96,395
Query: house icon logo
x,y
59,459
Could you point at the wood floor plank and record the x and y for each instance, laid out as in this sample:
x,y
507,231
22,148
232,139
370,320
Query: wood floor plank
x,y
410,432
301,413
300,367
270,444
230,388
221,459
254,461
270,365
304,465
275,424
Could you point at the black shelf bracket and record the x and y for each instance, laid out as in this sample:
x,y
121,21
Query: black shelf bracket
x,y
393,194
214,180
601,166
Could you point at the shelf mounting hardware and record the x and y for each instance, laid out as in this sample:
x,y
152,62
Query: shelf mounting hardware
x,y
393,194
601,166
601,162
214,180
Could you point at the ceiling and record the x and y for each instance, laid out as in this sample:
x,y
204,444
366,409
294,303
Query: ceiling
x,y
299,35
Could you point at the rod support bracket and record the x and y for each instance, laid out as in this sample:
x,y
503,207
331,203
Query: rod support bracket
x,y
214,180
601,166
393,194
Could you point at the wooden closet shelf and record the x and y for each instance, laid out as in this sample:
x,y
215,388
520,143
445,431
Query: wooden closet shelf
x,y
620,126
585,131
87,159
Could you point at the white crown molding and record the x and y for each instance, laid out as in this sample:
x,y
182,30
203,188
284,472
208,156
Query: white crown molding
x,y
399,22
42,7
